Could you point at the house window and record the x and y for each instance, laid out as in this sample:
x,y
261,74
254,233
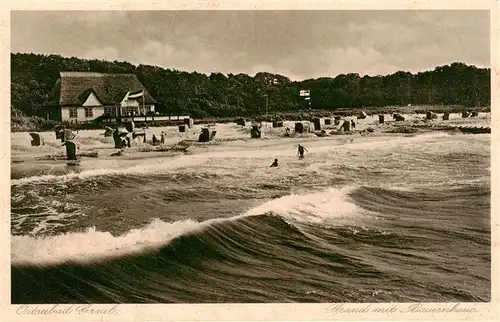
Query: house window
x,y
73,113
126,110
89,112
129,110
108,111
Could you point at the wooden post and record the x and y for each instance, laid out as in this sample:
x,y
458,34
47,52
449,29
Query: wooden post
x,y
70,150
117,139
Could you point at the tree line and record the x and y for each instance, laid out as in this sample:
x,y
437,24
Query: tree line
x,y
217,95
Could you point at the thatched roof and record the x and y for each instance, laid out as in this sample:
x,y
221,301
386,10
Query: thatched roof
x,y
73,88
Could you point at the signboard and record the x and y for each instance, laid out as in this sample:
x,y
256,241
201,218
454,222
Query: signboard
x,y
305,92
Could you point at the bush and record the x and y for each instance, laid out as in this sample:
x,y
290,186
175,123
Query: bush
x,y
34,123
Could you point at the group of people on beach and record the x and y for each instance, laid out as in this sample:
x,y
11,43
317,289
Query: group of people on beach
x,y
300,153
162,138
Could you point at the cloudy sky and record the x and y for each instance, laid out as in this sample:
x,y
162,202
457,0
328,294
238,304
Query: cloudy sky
x,y
296,44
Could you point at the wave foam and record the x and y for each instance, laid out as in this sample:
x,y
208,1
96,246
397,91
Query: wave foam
x,y
92,244
142,168
311,208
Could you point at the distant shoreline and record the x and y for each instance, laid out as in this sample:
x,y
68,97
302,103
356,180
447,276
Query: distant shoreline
x,y
36,124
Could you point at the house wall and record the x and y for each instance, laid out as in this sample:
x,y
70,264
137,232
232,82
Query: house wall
x,y
96,112
126,104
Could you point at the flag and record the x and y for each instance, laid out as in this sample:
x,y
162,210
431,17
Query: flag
x,y
136,94
305,92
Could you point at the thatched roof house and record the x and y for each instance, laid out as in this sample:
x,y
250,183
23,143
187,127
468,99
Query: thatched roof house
x,y
84,96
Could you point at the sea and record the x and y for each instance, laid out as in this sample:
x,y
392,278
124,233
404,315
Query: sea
x,y
367,217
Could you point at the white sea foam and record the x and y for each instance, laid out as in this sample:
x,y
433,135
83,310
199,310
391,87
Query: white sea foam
x,y
48,216
315,207
93,245
144,167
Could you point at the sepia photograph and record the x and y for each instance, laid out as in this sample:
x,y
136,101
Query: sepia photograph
x,y
250,156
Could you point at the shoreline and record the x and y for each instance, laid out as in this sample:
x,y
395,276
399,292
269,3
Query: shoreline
x,y
36,124
93,145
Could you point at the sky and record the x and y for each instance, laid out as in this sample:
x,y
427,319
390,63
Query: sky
x,y
295,44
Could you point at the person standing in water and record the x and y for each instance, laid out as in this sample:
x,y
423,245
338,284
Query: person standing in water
x,y
301,151
275,163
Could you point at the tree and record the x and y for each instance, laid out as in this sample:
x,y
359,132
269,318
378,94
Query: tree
x,y
33,78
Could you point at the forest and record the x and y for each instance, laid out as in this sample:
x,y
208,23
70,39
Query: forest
x,y
232,95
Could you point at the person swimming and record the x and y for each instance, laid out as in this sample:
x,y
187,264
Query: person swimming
x,y
275,163
301,151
